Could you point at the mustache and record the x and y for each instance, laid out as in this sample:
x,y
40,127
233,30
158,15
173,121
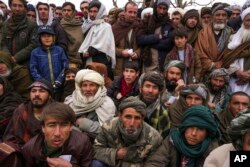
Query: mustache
x,y
36,98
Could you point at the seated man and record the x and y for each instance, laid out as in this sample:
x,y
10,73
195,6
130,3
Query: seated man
x,y
58,144
218,89
125,85
90,102
127,140
191,95
240,136
189,144
238,101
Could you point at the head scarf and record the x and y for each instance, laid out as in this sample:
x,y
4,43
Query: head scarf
x,y
196,116
238,128
190,13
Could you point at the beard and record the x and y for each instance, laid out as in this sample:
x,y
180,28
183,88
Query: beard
x,y
245,34
6,74
219,26
171,85
214,89
37,104
88,99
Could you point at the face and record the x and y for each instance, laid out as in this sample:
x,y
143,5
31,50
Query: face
x,y
246,21
70,76
161,10
78,18
17,7
238,103
246,141
58,13
4,70
2,6
235,14
1,90
149,91
195,135
131,12
89,88
192,22
206,19
56,132
173,74
39,96
84,8
93,13
217,83
31,15
43,12
176,19
131,120
46,39
193,100
180,42
220,17
130,75
67,11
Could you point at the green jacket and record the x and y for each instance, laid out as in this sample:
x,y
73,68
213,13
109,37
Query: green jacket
x,y
21,43
109,140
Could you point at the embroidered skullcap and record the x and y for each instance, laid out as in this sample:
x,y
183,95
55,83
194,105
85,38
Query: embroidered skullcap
x,y
135,103
88,75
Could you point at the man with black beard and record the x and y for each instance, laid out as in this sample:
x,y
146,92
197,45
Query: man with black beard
x,y
213,39
218,89
25,122
151,88
122,139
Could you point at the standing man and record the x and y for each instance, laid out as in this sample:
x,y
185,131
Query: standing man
x,y
18,33
213,39
84,6
99,44
155,37
90,102
73,30
56,145
126,140
125,30
206,16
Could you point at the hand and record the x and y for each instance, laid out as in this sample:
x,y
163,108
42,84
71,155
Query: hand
x,y
13,59
211,105
134,56
121,153
243,75
125,53
78,121
118,96
57,84
218,64
241,82
58,162
85,54
180,84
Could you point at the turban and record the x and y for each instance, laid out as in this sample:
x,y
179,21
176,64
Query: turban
x,y
154,77
206,10
221,72
200,116
198,89
146,11
88,75
190,13
220,6
163,2
135,103
245,13
176,63
238,128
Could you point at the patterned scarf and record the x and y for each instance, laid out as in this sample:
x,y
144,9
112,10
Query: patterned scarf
x,y
125,89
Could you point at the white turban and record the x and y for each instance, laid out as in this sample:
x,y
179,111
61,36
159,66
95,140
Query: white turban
x,y
245,12
146,11
88,75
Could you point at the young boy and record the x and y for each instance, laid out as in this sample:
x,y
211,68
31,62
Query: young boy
x,y
184,52
48,61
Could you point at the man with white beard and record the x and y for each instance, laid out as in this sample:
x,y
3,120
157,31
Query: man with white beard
x,y
212,40
90,102
237,56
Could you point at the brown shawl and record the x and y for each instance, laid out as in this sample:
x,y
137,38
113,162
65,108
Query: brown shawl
x,y
193,35
241,51
207,47
122,27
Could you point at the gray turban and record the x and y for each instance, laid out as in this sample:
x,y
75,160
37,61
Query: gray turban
x,y
221,72
176,63
198,89
135,103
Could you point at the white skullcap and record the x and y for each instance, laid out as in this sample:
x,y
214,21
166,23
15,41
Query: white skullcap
x,y
88,75
245,12
145,11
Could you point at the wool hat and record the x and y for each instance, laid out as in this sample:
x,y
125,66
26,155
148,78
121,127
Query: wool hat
x,y
190,13
245,13
135,103
42,84
163,2
88,75
206,10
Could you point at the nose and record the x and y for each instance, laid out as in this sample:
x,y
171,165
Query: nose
x,y
194,131
131,122
57,130
241,107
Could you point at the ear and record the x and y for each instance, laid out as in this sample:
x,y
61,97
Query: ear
x,y
43,129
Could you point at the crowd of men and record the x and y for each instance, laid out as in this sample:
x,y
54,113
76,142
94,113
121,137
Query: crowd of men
x,y
128,87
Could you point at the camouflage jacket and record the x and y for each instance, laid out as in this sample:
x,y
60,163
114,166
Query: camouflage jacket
x,y
109,140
